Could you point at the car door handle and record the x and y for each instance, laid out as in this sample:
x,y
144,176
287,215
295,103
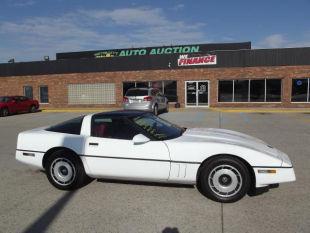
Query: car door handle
x,y
93,144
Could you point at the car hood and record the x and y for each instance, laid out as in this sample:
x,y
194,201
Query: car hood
x,y
233,138
222,135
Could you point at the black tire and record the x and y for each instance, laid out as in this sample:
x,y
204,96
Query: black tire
x,y
65,171
4,112
155,110
224,179
32,109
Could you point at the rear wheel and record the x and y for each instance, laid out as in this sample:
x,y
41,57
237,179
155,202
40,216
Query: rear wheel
x,y
4,112
32,109
65,171
224,179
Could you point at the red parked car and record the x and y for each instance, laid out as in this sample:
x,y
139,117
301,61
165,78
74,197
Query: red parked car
x,y
16,104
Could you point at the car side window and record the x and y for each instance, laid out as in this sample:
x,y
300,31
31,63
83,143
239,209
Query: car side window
x,y
112,127
17,99
72,126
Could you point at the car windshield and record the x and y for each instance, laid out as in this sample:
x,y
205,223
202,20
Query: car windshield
x,y
3,99
157,127
137,92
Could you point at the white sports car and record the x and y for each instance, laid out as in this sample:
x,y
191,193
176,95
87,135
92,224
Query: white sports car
x,y
134,145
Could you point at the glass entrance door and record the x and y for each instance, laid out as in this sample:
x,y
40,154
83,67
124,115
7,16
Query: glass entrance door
x,y
197,93
191,92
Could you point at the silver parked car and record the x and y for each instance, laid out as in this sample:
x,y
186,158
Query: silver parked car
x,y
147,99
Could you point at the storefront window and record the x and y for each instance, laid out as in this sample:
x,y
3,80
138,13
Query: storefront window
x,y
168,88
158,85
225,93
241,88
128,85
43,94
142,84
263,90
300,90
273,90
257,90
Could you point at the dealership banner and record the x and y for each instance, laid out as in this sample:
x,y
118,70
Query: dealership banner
x,y
185,60
173,50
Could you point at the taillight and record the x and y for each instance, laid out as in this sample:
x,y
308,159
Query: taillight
x,y
125,99
148,98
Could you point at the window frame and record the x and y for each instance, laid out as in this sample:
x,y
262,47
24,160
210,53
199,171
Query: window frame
x,y
48,99
249,91
24,90
308,91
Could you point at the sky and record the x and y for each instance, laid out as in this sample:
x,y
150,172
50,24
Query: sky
x,y
32,29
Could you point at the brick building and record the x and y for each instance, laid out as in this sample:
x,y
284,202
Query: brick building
x,y
201,75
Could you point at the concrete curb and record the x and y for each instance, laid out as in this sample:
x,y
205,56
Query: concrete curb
x,y
258,110
238,110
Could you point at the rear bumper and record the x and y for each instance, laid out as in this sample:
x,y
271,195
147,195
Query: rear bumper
x,y
30,157
139,106
281,175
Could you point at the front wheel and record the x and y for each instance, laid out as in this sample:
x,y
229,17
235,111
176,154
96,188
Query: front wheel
x,y
224,179
65,171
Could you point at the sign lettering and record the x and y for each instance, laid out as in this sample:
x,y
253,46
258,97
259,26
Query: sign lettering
x,y
184,60
143,52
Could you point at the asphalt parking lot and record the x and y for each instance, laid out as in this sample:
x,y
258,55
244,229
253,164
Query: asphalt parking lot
x,y
28,203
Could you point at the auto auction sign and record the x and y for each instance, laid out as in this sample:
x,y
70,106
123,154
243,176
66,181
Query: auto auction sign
x,y
147,51
185,60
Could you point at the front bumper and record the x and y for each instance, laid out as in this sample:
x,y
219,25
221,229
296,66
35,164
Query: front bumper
x,y
281,175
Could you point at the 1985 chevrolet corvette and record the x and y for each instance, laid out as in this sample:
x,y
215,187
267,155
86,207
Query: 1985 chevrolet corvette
x,y
134,145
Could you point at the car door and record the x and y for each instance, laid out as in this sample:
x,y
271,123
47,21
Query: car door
x,y
111,153
11,103
24,101
18,106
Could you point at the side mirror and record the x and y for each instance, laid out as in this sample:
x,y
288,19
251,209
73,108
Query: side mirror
x,y
140,139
